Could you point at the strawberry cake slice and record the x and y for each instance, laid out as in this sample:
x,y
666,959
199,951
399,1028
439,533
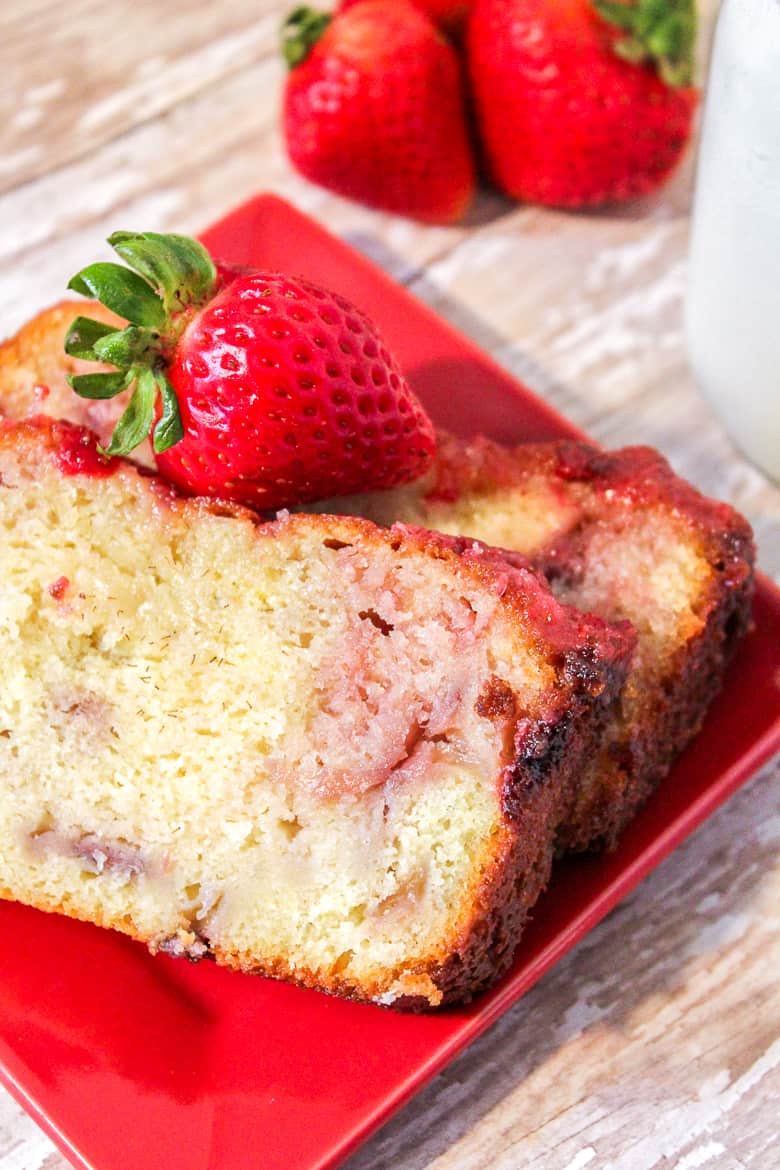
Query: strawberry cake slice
x,y
316,749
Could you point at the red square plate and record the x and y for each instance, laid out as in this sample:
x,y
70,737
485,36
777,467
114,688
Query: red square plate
x,y
128,1060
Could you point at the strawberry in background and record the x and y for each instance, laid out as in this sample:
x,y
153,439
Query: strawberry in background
x,y
449,15
582,102
374,109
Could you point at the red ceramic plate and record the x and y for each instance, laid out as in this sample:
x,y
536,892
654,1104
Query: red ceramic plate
x,y
128,1060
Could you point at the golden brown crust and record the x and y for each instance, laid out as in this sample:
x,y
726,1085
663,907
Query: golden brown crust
x,y
496,700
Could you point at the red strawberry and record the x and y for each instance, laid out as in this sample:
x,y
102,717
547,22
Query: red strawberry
x,y
257,387
374,109
449,15
582,102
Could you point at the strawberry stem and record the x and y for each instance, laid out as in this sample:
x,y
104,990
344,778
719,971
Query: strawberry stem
x,y
170,277
657,32
300,33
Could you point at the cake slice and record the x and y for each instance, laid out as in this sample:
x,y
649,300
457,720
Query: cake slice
x,y
315,748
617,534
620,535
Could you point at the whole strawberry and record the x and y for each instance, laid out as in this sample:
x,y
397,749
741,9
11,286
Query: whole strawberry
x,y
374,109
582,102
257,387
449,15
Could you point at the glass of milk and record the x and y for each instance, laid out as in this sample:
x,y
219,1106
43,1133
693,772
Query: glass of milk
x,y
733,307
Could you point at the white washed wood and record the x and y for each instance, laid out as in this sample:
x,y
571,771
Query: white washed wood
x,y
655,1042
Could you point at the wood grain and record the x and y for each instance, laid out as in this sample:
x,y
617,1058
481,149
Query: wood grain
x,y
655,1045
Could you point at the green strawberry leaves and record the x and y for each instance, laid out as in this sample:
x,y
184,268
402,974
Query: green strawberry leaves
x,y
168,279
98,385
662,32
300,33
124,292
179,269
126,347
138,420
83,334
169,429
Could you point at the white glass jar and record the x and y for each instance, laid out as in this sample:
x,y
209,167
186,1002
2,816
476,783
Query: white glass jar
x,y
733,309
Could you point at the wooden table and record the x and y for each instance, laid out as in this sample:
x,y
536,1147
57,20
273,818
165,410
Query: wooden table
x,y
656,1042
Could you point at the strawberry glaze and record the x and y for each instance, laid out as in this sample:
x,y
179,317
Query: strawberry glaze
x,y
77,453
641,477
72,448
